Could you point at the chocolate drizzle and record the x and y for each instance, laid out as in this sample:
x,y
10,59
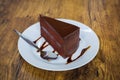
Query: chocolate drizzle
x,y
82,52
53,51
42,46
37,39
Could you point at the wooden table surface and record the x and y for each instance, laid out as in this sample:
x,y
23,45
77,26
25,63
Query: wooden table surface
x,y
103,16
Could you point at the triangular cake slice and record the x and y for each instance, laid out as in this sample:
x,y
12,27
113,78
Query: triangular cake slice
x,y
63,37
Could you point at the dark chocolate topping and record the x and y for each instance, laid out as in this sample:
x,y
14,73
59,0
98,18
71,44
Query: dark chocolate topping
x,y
62,28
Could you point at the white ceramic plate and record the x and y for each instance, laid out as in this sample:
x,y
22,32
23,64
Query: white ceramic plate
x,y
30,54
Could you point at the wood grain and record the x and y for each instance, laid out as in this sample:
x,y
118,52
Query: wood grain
x,y
103,16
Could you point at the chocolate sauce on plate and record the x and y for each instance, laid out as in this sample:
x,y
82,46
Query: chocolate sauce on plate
x,y
53,51
42,46
82,52
37,39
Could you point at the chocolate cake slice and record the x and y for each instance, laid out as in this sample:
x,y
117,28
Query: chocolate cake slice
x,y
63,37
